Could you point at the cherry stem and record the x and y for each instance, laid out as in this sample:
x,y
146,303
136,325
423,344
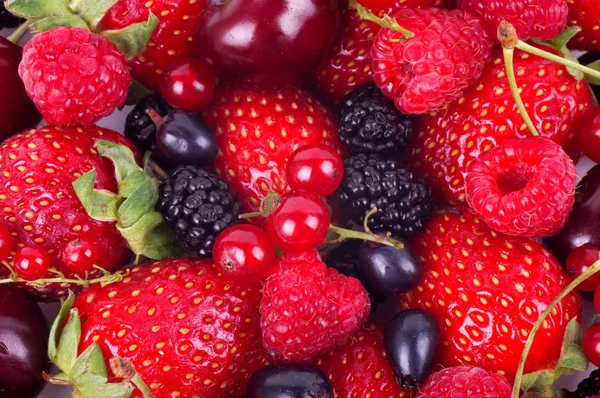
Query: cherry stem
x,y
18,34
367,235
156,118
572,286
385,21
250,215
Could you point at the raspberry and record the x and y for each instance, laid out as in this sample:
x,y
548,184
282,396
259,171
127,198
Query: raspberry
x,y
541,19
522,187
308,308
463,381
74,76
446,55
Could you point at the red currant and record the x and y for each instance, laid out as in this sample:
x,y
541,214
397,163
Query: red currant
x,y
244,252
317,169
31,262
80,255
5,242
579,261
589,134
299,222
591,344
188,85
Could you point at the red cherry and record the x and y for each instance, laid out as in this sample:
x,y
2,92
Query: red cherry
x,y
31,262
188,85
299,222
5,242
597,300
80,255
244,252
589,134
579,260
316,169
591,344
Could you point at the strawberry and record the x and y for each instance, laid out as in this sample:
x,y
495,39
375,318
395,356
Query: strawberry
x,y
487,290
258,131
360,368
584,13
187,331
447,141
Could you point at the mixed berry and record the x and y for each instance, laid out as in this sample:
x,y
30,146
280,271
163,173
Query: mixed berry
x,y
308,198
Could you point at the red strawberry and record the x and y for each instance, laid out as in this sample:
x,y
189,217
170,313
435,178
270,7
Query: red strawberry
x,y
258,131
349,62
172,38
187,331
39,204
360,368
448,140
487,291
584,13
308,308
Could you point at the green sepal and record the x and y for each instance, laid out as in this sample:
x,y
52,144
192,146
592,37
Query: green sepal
x,y
121,156
566,35
137,233
139,202
58,321
572,356
161,243
538,381
559,43
132,40
101,205
268,203
48,23
91,11
66,352
593,79
133,181
115,390
90,368
30,9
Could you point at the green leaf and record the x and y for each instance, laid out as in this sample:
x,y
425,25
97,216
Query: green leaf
x,y
120,390
132,40
57,324
48,23
137,92
268,203
133,181
562,39
66,352
538,381
593,79
101,205
122,157
38,8
91,11
161,243
572,356
90,368
136,234
140,202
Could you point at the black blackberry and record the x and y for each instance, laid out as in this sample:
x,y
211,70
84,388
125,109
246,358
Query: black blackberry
x,y
8,20
403,201
370,123
140,128
198,205
588,388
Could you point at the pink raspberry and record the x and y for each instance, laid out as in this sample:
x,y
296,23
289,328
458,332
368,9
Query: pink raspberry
x,y
308,308
463,381
445,56
522,187
541,19
74,76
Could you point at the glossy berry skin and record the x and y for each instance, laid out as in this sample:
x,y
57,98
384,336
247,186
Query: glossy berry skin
x,y
74,76
316,169
582,14
31,262
24,341
291,380
244,252
18,111
188,85
185,139
411,339
445,56
80,255
5,242
579,261
591,344
522,187
589,134
388,270
299,222
265,44
465,381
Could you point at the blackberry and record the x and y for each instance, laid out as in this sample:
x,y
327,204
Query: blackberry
x,y
198,205
403,201
588,388
8,20
370,123
140,128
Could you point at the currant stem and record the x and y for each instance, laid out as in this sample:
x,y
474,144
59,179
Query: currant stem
x,y
105,279
18,34
519,375
386,21
250,215
350,234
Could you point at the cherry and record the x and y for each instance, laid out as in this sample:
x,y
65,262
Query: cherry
x,y
188,85
299,222
31,262
591,344
589,134
244,252
265,44
317,169
80,255
5,242
579,261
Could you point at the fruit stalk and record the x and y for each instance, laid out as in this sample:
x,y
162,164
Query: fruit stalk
x,y
16,36
367,235
105,279
386,21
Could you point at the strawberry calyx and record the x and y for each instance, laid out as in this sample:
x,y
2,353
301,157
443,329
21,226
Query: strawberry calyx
x,y
44,15
132,208
87,373
385,21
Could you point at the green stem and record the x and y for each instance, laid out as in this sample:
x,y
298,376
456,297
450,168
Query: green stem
x,y
512,81
250,215
141,385
386,21
368,235
519,375
19,32
106,279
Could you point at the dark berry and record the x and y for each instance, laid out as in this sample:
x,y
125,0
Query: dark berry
x,y
139,126
289,380
8,20
588,388
403,200
370,123
316,169
188,85
198,205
